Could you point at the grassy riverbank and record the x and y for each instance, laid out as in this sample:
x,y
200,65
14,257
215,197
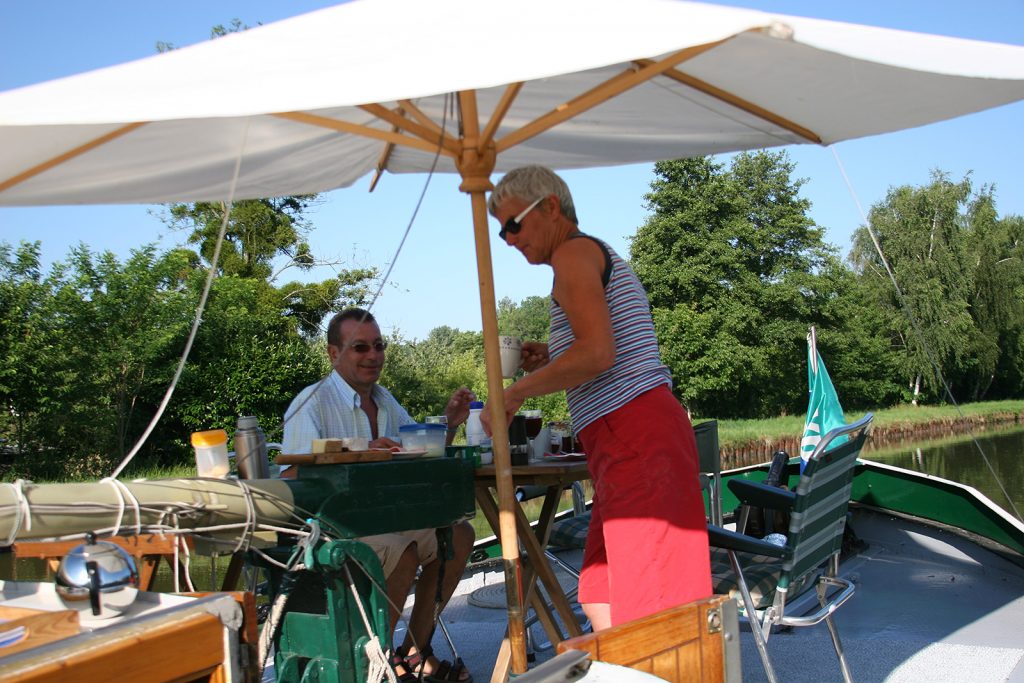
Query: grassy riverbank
x,y
737,433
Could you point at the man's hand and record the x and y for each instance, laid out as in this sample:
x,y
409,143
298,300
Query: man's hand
x,y
384,443
457,409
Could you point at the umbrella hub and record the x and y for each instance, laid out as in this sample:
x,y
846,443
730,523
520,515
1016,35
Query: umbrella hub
x,y
475,166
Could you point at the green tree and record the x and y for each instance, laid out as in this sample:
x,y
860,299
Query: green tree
x,y
923,234
93,342
853,341
263,239
27,339
995,250
732,265
1009,268
257,233
91,348
423,374
129,321
529,320
248,358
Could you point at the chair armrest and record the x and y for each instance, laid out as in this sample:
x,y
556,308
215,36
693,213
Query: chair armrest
x,y
730,540
762,495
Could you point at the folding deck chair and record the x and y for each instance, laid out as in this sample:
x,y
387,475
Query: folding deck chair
x,y
710,467
767,575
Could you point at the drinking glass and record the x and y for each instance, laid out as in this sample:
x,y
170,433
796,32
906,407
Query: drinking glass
x,y
534,422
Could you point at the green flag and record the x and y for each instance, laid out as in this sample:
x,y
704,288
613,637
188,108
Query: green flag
x,y
823,410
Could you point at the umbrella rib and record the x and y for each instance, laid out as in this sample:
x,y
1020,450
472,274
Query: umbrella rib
x,y
396,119
498,115
359,129
70,154
599,94
410,108
404,107
736,101
382,162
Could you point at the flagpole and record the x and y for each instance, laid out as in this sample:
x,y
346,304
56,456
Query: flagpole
x,y
812,339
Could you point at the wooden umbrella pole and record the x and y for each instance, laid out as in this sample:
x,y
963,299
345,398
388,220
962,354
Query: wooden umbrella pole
x,y
475,167
499,433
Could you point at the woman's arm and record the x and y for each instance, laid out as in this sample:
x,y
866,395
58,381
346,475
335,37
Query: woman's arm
x,y
578,265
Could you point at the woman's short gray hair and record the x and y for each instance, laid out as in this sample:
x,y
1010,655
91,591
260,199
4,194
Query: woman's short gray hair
x,y
530,182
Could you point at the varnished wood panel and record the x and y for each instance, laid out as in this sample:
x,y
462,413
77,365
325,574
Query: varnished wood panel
x,y
674,644
188,649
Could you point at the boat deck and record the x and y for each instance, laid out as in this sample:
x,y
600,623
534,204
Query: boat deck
x,y
930,606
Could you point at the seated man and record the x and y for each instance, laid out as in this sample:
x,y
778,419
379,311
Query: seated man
x,y
350,403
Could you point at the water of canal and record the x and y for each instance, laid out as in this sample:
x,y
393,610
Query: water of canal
x,y
992,462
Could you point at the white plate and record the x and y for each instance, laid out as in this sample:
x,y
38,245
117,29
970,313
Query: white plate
x,y
565,457
13,635
408,455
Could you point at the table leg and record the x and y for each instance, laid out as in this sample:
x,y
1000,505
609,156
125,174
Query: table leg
x,y
501,668
490,510
233,572
535,540
147,565
503,664
536,564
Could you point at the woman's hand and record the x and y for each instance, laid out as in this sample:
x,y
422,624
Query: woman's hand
x,y
512,405
535,355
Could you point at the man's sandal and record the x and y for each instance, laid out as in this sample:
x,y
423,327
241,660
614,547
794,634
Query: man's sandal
x,y
446,672
401,667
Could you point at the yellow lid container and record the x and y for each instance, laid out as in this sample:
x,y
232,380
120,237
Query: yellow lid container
x,y
211,437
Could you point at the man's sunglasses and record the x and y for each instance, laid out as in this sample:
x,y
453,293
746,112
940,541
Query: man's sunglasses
x,y
514,225
363,347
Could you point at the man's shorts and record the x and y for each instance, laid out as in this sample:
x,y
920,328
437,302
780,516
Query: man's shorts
x,y
389,547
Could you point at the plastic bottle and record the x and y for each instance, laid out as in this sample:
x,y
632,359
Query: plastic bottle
x,y
211,453
475,434
251,449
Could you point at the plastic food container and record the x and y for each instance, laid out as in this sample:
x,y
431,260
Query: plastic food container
x,y
211,453
428,437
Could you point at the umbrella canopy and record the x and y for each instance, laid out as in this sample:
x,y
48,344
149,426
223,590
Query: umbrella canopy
x,y
313,103
316,102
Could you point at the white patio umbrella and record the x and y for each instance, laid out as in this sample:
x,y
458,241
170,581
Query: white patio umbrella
x,y
316,102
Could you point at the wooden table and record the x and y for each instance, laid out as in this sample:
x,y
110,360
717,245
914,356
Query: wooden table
x,y
554,477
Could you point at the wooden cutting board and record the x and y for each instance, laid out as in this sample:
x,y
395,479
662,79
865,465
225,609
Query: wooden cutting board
x,y
333,458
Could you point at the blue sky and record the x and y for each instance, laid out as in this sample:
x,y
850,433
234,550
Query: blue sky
x,y
434,282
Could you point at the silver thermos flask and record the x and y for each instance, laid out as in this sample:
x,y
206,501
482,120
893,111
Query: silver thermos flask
x,y
251,449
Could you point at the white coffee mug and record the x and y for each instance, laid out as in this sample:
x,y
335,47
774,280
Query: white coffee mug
x,y
511,349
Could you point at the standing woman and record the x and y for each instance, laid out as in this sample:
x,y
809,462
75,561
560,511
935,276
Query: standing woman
x,y
647,547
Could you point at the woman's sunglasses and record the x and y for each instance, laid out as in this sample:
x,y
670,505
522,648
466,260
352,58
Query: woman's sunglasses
x,y
514,225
